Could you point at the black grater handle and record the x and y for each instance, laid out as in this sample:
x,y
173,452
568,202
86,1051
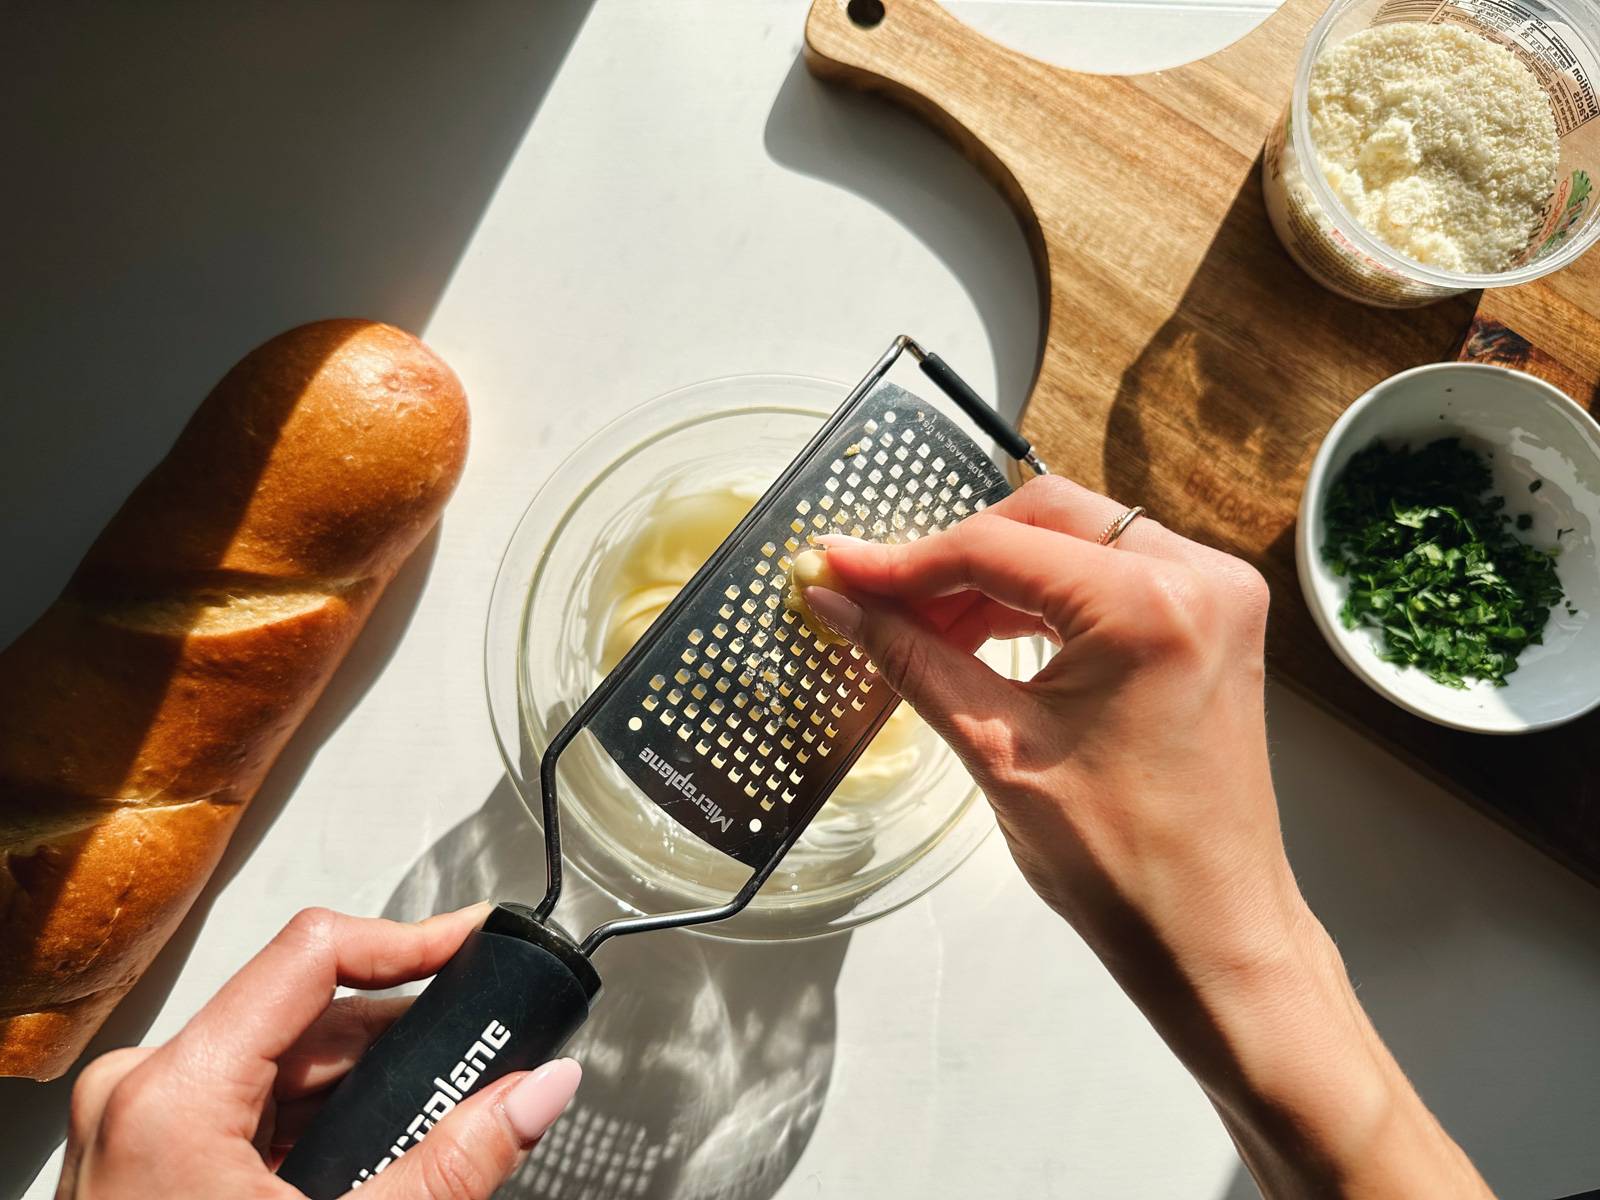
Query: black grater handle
x,y
507,1001
990,421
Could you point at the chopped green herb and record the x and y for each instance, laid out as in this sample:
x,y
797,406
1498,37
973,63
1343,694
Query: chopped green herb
x,y
1536,485
1524,521
1433,564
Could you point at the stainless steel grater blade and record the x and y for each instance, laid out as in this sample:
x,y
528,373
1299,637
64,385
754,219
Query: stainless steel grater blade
x,y
734,719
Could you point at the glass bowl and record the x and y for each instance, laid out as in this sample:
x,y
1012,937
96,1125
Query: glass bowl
x,y
543,649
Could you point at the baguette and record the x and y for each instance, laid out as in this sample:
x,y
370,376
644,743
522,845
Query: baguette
x,y
144,708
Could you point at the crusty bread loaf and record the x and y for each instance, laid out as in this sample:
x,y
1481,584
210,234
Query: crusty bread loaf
x,y
143,709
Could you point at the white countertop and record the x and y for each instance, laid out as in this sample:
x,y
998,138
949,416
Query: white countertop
x,y
579,210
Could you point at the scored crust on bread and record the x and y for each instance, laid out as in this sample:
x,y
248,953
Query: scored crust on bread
x,y
146,705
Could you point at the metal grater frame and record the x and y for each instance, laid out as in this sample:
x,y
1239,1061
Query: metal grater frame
x,y
728,714
737,721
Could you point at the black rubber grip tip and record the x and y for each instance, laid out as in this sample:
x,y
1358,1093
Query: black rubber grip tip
x,y
990,421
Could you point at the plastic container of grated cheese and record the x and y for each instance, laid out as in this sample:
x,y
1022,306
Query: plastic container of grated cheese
x,y
1559,40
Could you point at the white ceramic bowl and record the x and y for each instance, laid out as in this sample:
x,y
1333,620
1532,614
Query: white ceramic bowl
x,y
1533,431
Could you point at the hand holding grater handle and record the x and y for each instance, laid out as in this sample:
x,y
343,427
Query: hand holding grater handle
x,y
727,714
508,1000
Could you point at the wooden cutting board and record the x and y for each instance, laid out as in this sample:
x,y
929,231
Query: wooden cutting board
x,y
1188,365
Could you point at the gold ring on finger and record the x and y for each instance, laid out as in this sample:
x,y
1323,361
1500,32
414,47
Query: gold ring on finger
x,y
1120,526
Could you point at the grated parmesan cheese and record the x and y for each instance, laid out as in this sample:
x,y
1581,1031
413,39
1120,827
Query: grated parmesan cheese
x,y
1440,142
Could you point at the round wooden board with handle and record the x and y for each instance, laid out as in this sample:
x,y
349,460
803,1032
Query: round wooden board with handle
x,y
1187,364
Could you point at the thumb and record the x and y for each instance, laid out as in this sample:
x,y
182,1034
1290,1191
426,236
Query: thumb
x,y
468,1155
955,692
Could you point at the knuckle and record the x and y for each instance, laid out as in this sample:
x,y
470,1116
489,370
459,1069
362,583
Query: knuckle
x,y
965,540
1153,526
1241,592
1253,599
366,1017
451,1172
992,744
902,658
102,1072
1173,614
954,544
312,925
1206,619
132,1103
900,563
1051,489
973,547
93,1088
1250,590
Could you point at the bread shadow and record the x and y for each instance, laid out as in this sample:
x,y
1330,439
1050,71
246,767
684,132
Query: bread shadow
x,y
706,1062
895,161
202,177
34,1115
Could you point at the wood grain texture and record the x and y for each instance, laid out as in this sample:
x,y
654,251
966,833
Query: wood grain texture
x,y
1187,364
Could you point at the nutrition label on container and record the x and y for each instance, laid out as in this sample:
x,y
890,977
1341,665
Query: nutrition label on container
x,y
1558,60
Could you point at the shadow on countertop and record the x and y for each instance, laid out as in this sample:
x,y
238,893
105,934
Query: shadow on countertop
x,y
706,1062
1473,955
192,179
895,161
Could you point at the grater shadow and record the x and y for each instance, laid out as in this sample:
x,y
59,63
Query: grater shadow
x,y
706,1062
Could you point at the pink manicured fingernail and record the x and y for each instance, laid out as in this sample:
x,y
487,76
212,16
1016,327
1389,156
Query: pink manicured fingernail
x,y
827,540
533,1105
839,613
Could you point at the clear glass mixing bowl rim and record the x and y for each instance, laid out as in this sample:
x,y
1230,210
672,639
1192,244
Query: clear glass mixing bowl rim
x,y
618,432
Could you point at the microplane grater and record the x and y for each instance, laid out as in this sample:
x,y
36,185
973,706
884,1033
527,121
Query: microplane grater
x,y
734,718
729,715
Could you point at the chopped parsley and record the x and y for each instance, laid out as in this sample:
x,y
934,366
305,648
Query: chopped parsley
x,y
1432,562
